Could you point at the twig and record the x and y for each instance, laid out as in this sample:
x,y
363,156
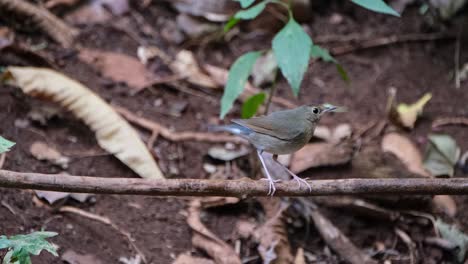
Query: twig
x,y
2,160
338,241
106,221
457,60
158,129
48,22
446,121
408,242
272,93
237,188
385,41
7,206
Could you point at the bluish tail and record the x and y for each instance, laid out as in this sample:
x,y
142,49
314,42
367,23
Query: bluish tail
x,y
233,128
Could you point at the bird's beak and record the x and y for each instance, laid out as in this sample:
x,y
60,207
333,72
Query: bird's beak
x,y
328,108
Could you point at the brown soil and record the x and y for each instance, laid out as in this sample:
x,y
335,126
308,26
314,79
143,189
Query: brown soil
x,y
158,224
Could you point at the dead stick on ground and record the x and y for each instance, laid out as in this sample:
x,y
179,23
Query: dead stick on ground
x,y
237,188
107,221
447,121
389,40
168,134
48,22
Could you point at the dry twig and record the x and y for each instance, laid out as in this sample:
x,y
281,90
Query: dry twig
x,y
106,221
236,188
361,44
48,22
158,129
447,121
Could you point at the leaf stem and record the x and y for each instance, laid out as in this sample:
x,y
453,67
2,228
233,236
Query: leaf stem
x,y
272,92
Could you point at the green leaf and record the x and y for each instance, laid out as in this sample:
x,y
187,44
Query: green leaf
x,y
245,3
454,235
5,145
252,12
318,52
238,74
230,24
291,47
377,6
22,246
250,107
342,72
441,155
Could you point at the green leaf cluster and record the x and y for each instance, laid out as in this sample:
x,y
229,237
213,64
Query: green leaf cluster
x,y
21,246
292,48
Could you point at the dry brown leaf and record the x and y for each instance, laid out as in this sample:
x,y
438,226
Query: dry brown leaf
x,y
213,10
118,67
41,151
215,201
406,115
272,236
406,151
71,257
62,3
97,11
186,65
321,155
300,259
245,228
207,241
185,258
113,133
446,204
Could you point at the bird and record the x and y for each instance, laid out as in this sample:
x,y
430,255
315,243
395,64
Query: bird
x,y
279,133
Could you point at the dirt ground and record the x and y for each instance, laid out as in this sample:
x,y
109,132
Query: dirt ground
x,y
158,224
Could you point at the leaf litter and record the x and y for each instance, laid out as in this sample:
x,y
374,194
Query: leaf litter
x,y
112,132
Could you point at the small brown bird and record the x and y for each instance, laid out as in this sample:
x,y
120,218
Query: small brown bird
x,y
282,132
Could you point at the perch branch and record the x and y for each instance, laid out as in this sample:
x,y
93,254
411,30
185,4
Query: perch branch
x,y
199,187
45,20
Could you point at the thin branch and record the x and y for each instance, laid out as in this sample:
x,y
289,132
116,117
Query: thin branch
x,y
385,41
158,129
45,20
199,187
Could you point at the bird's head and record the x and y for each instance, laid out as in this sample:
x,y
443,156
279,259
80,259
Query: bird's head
x,y
315,112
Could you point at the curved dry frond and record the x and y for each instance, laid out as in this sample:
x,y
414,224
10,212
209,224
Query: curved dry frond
x,y
112,132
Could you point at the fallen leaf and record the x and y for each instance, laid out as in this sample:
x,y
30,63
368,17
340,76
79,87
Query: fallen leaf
x,y
97,11
50,196
215,201
406,151
195,28
113,133
300,259
186,65
321,155
213,10
245,228
221,153
336,135
185,258
407,114
62,3
441,155
446,204
207,241
42,151
264,69
272,236
71,257
131,260
118,67
453,234
7,36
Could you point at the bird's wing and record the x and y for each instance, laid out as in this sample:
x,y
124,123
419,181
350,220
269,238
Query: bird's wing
x,y
272,125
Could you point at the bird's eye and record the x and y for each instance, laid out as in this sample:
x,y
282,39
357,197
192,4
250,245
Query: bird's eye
x,y
315,110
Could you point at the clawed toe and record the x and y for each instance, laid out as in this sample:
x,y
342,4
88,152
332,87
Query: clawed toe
x,y
302,181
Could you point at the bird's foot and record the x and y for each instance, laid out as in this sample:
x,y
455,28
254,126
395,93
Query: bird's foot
x,y
300,181
271,185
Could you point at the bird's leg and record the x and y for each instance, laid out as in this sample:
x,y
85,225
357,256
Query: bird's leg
x,y
298,179
271,182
